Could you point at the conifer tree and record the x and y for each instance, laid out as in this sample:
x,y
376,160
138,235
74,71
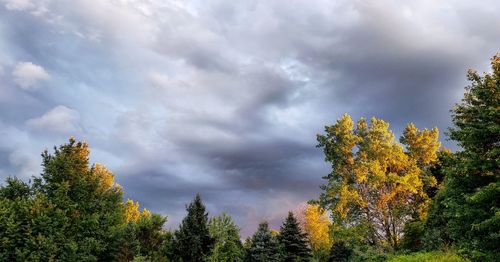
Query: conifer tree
x,y
192,241
293,241
264,246
466,211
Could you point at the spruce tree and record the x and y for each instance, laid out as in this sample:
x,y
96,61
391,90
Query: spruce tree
x,y
264,246
466,211
293,241
192,241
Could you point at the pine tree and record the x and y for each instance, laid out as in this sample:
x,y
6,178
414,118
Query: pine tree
x,y
264,246
192,241
293,241
466,210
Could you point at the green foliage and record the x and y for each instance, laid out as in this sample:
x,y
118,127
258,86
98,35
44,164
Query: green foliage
x,y
144,239
293,241
67,214
466,212
412,236
435,256
340,252
264,246
192,241
226,234
73,212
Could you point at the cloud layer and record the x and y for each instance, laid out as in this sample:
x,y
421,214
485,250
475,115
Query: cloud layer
x,y
226,98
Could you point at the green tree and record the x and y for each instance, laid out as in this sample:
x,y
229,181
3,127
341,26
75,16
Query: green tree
x,y
264,246
466,210
375,185
72,212
293,242
144,238
340,252
192,241
226,234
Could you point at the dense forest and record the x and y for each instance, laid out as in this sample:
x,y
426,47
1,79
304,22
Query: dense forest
x,y
384,199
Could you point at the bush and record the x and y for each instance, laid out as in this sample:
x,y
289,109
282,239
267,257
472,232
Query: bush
x,y
435,256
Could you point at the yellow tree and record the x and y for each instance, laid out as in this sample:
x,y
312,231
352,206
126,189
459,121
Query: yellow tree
x,y
374,183
315,223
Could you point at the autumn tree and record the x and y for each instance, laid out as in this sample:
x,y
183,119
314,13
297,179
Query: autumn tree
x,y
316,225
227,245
466,210
192,241
293,241
376,184
263,245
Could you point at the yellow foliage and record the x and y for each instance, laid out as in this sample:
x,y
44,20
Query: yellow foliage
x,y
132,211
316,225
373,179
105,177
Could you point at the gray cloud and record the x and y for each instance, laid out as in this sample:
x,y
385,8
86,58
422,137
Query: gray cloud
x,y
226,98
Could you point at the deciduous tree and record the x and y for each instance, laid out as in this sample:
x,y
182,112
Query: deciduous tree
x,y
374,182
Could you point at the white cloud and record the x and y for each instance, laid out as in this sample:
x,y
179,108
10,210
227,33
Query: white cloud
x,y
27,75
60,119
18,5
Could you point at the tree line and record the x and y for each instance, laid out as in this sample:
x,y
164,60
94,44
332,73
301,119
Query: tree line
x,y
383,198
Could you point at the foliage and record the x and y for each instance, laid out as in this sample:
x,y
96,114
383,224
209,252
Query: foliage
x,y
263,245
340,252
436,256
74,211
192,241
227,246
374,183
412,236
466,210
293,241
315,224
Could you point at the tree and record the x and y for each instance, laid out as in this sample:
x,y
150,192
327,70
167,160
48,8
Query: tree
x,y
293,241
226,235
264,246
466,210
72,212
315,223
374,183
340,252
192,240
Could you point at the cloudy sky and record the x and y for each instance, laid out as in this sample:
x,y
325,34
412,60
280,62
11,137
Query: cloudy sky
x,y
225,98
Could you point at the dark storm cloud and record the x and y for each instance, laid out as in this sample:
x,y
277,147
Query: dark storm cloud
x,y
225,98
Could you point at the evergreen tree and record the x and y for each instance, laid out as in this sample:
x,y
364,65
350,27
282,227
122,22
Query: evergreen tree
x,y
466,210
293,241
340,252
192,241
264,246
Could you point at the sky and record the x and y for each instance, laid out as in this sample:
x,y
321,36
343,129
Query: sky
x,y
225,98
